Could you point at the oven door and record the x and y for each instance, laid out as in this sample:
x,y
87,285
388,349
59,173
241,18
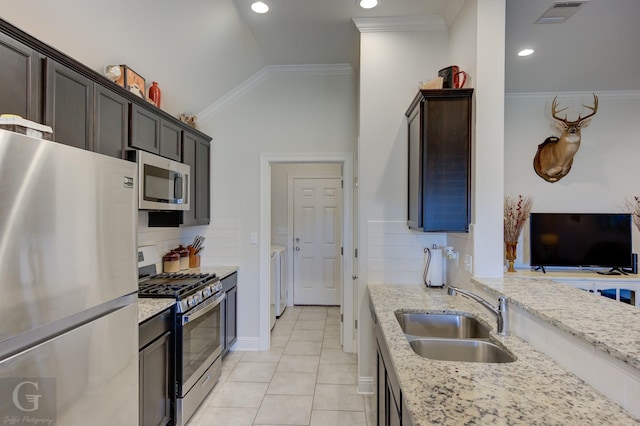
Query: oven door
x,y
199,341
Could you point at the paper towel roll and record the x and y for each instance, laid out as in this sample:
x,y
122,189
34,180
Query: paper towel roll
x,y
434,276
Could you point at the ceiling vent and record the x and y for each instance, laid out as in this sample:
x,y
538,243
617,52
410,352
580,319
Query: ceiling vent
x,y
560,11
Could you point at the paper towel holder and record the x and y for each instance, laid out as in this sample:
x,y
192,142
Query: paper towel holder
x,y
427,270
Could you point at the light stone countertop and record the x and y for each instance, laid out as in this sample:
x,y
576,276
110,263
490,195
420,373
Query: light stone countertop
x,y
533,390
609,325
148,308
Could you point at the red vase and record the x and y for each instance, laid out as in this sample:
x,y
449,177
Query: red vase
x,y
154,94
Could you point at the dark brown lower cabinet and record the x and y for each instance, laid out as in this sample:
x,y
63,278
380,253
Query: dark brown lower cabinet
x,y
157,377
391,410
230,312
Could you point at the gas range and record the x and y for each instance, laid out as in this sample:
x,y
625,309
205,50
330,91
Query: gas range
x,y
189,289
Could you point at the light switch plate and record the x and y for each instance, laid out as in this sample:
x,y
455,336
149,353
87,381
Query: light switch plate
x,y
253,238
282,230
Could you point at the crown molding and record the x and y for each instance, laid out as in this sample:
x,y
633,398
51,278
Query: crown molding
x,y
256,79
603,94
400,23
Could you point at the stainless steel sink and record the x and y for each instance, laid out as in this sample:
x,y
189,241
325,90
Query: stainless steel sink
x,y
461,350
441,325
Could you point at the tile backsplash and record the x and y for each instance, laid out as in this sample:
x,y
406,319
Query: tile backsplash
x,y
221,247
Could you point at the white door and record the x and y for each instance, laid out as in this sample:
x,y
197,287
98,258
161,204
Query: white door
x,y
317,227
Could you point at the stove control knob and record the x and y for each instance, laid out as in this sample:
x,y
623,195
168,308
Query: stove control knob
x,y
206,292
191,301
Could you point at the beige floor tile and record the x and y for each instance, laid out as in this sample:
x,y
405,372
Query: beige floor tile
x,y
338,418
298,364
303,348
239,395
331,342
252,372
292,384
332,330
284,410
279,340
230,361
309,325
337,356
272,355
337,397
312,315
370,409
338,374
221,416
283,328
333,321
307,335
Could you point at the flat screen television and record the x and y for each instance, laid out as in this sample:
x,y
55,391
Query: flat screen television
x,y
581,239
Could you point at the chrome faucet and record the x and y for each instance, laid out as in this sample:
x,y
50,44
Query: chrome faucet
x,y
501,312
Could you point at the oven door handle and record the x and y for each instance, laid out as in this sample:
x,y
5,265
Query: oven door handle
x,y
202,309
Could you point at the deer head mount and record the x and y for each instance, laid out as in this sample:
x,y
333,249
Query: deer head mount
x,y
555,155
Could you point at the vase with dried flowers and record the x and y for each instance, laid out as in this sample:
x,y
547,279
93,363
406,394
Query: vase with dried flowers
x,y
516,213
634,208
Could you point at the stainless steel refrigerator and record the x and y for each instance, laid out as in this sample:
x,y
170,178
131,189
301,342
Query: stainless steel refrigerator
x,y
68,285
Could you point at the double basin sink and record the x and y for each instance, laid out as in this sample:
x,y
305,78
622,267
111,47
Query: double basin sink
x,y
450,337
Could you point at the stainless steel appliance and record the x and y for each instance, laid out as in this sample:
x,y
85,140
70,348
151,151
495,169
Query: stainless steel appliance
x,y
199,328
164,183
69,337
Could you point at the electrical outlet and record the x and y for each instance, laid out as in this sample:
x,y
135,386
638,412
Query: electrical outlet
x,y
468,263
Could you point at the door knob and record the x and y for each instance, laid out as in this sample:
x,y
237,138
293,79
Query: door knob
x,y
297,248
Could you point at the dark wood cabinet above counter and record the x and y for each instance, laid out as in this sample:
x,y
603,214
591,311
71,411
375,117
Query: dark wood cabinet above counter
x,y
439,163
42,84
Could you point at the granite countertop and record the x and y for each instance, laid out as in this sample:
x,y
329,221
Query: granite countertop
x,y
609,325
148,308
531,390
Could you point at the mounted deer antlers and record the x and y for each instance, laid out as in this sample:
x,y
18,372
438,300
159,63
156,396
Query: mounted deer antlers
x,y
555,155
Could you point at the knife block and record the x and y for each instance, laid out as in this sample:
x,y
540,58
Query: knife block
x,y
194,259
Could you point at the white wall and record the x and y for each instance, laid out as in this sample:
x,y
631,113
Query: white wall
x,y
391,65
604,172
286,113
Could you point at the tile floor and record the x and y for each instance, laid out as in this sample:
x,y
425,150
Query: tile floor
x,y
304,379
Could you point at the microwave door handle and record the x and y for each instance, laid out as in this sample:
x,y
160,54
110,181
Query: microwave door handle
x,y
177,186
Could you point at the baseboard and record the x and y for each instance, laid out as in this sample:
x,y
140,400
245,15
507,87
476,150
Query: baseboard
x,y
246,344
365,385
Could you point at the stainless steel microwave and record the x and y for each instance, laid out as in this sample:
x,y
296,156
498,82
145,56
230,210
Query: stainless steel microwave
x,y
163,183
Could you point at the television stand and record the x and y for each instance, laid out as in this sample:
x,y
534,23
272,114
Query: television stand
x,y
614,271
537,268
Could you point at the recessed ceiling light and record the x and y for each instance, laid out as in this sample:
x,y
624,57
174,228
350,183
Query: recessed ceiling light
x,y
259,7
526,52
368,4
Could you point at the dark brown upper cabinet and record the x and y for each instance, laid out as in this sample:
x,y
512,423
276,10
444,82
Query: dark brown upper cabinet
x,y
111,131
170,140
20,70
439,163
69,105
196,152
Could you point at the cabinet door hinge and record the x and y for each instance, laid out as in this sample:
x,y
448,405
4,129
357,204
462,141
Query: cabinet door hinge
x,y
341,251
356,324
342,184
356,253
341,317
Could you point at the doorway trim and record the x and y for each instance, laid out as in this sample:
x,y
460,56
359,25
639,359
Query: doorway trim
x,y
346,159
